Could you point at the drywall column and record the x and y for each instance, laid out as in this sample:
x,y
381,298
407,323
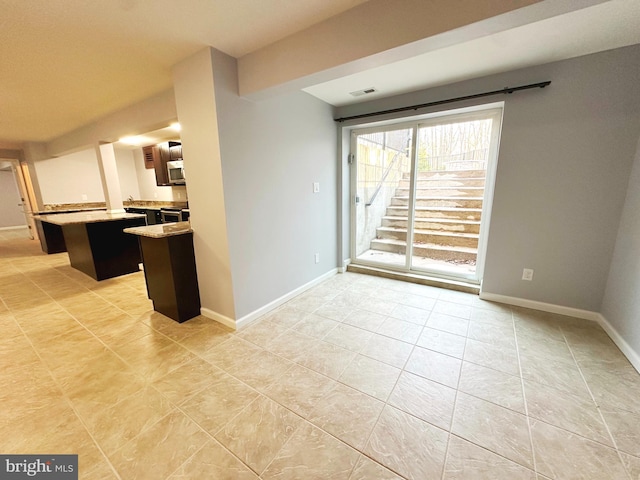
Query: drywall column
x,y
197,113
109,177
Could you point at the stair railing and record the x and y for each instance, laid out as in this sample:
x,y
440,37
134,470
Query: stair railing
x,y
384,177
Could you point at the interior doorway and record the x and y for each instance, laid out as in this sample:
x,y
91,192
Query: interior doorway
x,y
422,192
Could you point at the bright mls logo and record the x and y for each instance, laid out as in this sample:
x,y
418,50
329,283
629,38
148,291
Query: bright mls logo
x,y
49,467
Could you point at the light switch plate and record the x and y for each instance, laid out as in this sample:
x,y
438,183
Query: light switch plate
x,y
316,187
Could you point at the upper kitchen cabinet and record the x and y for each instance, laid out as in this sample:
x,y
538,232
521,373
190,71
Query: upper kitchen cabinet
x,y
158,156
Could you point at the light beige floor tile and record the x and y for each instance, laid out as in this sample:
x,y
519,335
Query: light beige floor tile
x,y
442,342
204,340
263,332
292,345
312,454
411,314
559,375
419,301
407,445
214,406
347,414
468,461
500,335
632,464
367,469
454,296
187,379
448,323
215,462
453,309
492,385
364,319
261,370
539,330
349,337
258,433
625,428
305,302
491,317
425,399
114,426
565,455
434,366
327,359
613,387
400,330
299,389
576,414
334,312
378,305
387,350
160,449
549,349
492,356
315,326
286,315
495,428
231,353
370,376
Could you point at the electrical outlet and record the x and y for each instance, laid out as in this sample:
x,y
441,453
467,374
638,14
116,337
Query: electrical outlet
x,y
316,257
316,187
527,274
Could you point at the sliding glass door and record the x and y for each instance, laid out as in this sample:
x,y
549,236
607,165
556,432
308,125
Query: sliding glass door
x,y
422,193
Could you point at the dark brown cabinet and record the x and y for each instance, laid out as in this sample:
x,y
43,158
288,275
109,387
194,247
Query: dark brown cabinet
x,y
159,155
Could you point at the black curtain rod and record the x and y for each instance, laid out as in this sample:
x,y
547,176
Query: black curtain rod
x,y
443,102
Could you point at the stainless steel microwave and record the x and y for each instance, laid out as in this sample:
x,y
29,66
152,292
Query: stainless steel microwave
x,y
175,170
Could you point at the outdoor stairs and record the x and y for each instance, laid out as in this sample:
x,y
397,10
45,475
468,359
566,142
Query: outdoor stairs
x,y
447,219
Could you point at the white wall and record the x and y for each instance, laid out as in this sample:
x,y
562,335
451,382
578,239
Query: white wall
x,y
272,152
564,162
10,212
69,178
621,303
127,174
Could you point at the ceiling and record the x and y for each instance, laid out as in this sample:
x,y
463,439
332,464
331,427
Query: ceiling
x,y
66,63
601,27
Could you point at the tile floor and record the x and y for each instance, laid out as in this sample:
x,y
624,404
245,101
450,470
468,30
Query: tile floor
x,y
359,378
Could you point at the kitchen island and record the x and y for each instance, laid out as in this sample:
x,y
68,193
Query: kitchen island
x,y
96,243
170,268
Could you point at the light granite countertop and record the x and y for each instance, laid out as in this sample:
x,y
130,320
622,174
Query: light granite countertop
x,y
87,217
161,230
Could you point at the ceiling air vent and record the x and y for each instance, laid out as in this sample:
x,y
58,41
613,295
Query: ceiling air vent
x,y
366,91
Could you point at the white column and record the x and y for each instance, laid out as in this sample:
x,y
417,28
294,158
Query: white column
x,y
109,177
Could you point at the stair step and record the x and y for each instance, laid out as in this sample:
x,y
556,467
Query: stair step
x,y
434,224
447,182
447,174
443,192
437,212
436,252
469,240
439,201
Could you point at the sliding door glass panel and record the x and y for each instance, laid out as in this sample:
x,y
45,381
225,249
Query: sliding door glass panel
x,y
452,157
382,199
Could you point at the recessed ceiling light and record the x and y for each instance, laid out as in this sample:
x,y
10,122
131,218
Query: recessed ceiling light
x,y
365,91
175,126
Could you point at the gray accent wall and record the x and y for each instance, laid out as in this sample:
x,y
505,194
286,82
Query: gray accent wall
x,y
621,304
565,157
272,152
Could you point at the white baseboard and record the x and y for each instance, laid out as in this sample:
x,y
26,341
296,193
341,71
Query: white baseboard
x,y
622,344
218,317
247,319
345,264
17,227
542,306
